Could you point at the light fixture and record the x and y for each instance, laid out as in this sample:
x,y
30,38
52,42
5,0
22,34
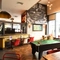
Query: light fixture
x,y
5,14
29,25
49,5
12,19
20,3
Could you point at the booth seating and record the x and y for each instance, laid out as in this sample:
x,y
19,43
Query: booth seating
x,y
31,39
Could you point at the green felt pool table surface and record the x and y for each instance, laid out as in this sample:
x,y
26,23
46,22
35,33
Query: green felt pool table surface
x,y
43,42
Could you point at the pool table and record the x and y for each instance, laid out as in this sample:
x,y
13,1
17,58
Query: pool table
x,y
42,45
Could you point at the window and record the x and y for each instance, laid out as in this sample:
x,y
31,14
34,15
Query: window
x,y
17,27
8,25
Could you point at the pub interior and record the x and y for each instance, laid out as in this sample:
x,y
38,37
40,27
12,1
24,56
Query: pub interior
x,y
30,23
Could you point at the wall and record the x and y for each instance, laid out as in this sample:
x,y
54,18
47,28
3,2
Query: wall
x,y
36,34
55,7
36,15
17,17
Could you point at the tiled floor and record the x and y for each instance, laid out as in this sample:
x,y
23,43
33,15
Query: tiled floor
x,y
24,51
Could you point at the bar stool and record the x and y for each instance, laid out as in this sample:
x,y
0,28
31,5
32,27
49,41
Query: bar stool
x,y
11,56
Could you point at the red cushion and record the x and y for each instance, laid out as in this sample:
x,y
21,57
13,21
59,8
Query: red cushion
x,y
49,52
52,51
17,42
31,39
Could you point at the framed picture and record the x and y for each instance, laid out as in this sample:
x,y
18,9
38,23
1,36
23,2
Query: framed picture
x,y
37,27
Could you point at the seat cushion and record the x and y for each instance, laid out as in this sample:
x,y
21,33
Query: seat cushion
x,y
31,39
52,51
17,42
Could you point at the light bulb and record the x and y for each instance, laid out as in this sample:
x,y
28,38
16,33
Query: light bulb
x,y
49,5
49,8
49,2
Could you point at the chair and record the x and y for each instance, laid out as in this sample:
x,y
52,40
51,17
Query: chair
x,y
31,39
16,42
11,56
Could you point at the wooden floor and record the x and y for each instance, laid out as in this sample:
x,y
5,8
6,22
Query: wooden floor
x,y
53,56
25,52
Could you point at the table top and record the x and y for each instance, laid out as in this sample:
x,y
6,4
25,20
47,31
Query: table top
x,y
53,56
44,42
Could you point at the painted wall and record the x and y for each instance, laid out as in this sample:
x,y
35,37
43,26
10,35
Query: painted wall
x,y
36,15
55,7
36,34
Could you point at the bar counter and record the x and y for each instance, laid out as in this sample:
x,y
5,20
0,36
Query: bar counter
x,y
4,38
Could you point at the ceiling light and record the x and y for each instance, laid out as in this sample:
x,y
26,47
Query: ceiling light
x,y
20,3
49,5
5,14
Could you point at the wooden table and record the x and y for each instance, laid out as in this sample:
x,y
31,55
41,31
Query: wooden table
x,y
53,56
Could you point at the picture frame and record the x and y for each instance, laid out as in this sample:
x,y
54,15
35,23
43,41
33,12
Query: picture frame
x,y
37,27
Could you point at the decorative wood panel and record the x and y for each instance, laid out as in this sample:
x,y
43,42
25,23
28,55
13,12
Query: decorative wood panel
x,y
4,14
52,17
23,17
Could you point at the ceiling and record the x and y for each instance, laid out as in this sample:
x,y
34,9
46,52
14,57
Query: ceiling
x,y
18,6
